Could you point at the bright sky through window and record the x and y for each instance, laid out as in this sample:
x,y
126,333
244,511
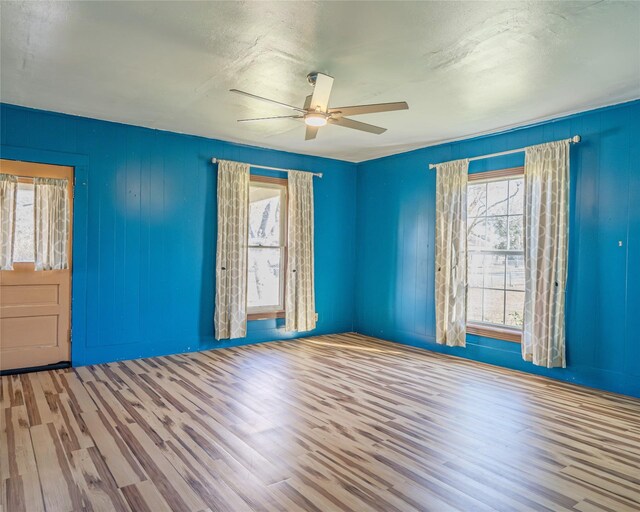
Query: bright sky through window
x,y
495,264
266,248
24,250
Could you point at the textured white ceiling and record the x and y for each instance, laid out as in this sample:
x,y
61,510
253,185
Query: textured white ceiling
x,y
465,68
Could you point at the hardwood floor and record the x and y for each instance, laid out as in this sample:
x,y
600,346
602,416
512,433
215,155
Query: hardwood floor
x,y
341,422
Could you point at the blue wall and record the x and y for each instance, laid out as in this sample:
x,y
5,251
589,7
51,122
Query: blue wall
x,y
395,229
144,239
145,233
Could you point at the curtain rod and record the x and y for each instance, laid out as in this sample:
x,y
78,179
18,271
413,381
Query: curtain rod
x,y
573,140
318,174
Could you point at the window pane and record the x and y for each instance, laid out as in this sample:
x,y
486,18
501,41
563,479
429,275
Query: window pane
x,y
477,238
475,270
516,234
476,199
515,308
495,279
264,277
497,195
494,271
474,305
497,232
264,216
24,245
516,196
515,272
493,306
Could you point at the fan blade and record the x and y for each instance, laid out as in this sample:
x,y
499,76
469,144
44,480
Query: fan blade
x,y
357,125
321,92
369,109
311,132
274,102
307,102
267,118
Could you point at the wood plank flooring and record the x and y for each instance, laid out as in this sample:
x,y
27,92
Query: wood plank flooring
x,y
340,422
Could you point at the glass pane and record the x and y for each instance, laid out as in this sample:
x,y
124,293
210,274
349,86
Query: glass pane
x,y
497,232
477,238
476,199
494,271
516,233
493,306
24,248
263,286
516,196
515,272
495,224
515,308
264,215
475,270
497,197
474,305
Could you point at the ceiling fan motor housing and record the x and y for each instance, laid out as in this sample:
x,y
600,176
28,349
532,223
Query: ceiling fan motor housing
x,y
312,77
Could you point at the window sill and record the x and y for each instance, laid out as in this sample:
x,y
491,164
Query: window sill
x,y
265,315
498,333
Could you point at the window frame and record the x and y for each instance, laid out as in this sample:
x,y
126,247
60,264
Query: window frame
x,y
267,312
485,329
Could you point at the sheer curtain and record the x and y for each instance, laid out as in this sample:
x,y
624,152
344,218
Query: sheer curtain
x,y
300,307
51,227
230,316
8,191
546,218
451,253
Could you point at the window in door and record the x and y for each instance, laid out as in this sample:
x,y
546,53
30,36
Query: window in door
x,y
267,247
495,260
24,249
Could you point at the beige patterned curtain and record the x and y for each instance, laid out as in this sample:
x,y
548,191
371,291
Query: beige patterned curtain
x,y
8,191
51,227
451,253
300,307
546,219
230,317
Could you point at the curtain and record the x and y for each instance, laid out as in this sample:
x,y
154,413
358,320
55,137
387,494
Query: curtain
x,y
230,317
300,307
451,253
8,191
546,214
51,226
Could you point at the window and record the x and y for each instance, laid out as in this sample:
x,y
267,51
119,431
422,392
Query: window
x,y
267,247
24,249
495,261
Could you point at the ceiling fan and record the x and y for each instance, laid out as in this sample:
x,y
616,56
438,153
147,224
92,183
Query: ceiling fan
x,y
316,111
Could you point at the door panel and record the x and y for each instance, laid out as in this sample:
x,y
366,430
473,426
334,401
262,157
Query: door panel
x,y
35,307
29,331
30,294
